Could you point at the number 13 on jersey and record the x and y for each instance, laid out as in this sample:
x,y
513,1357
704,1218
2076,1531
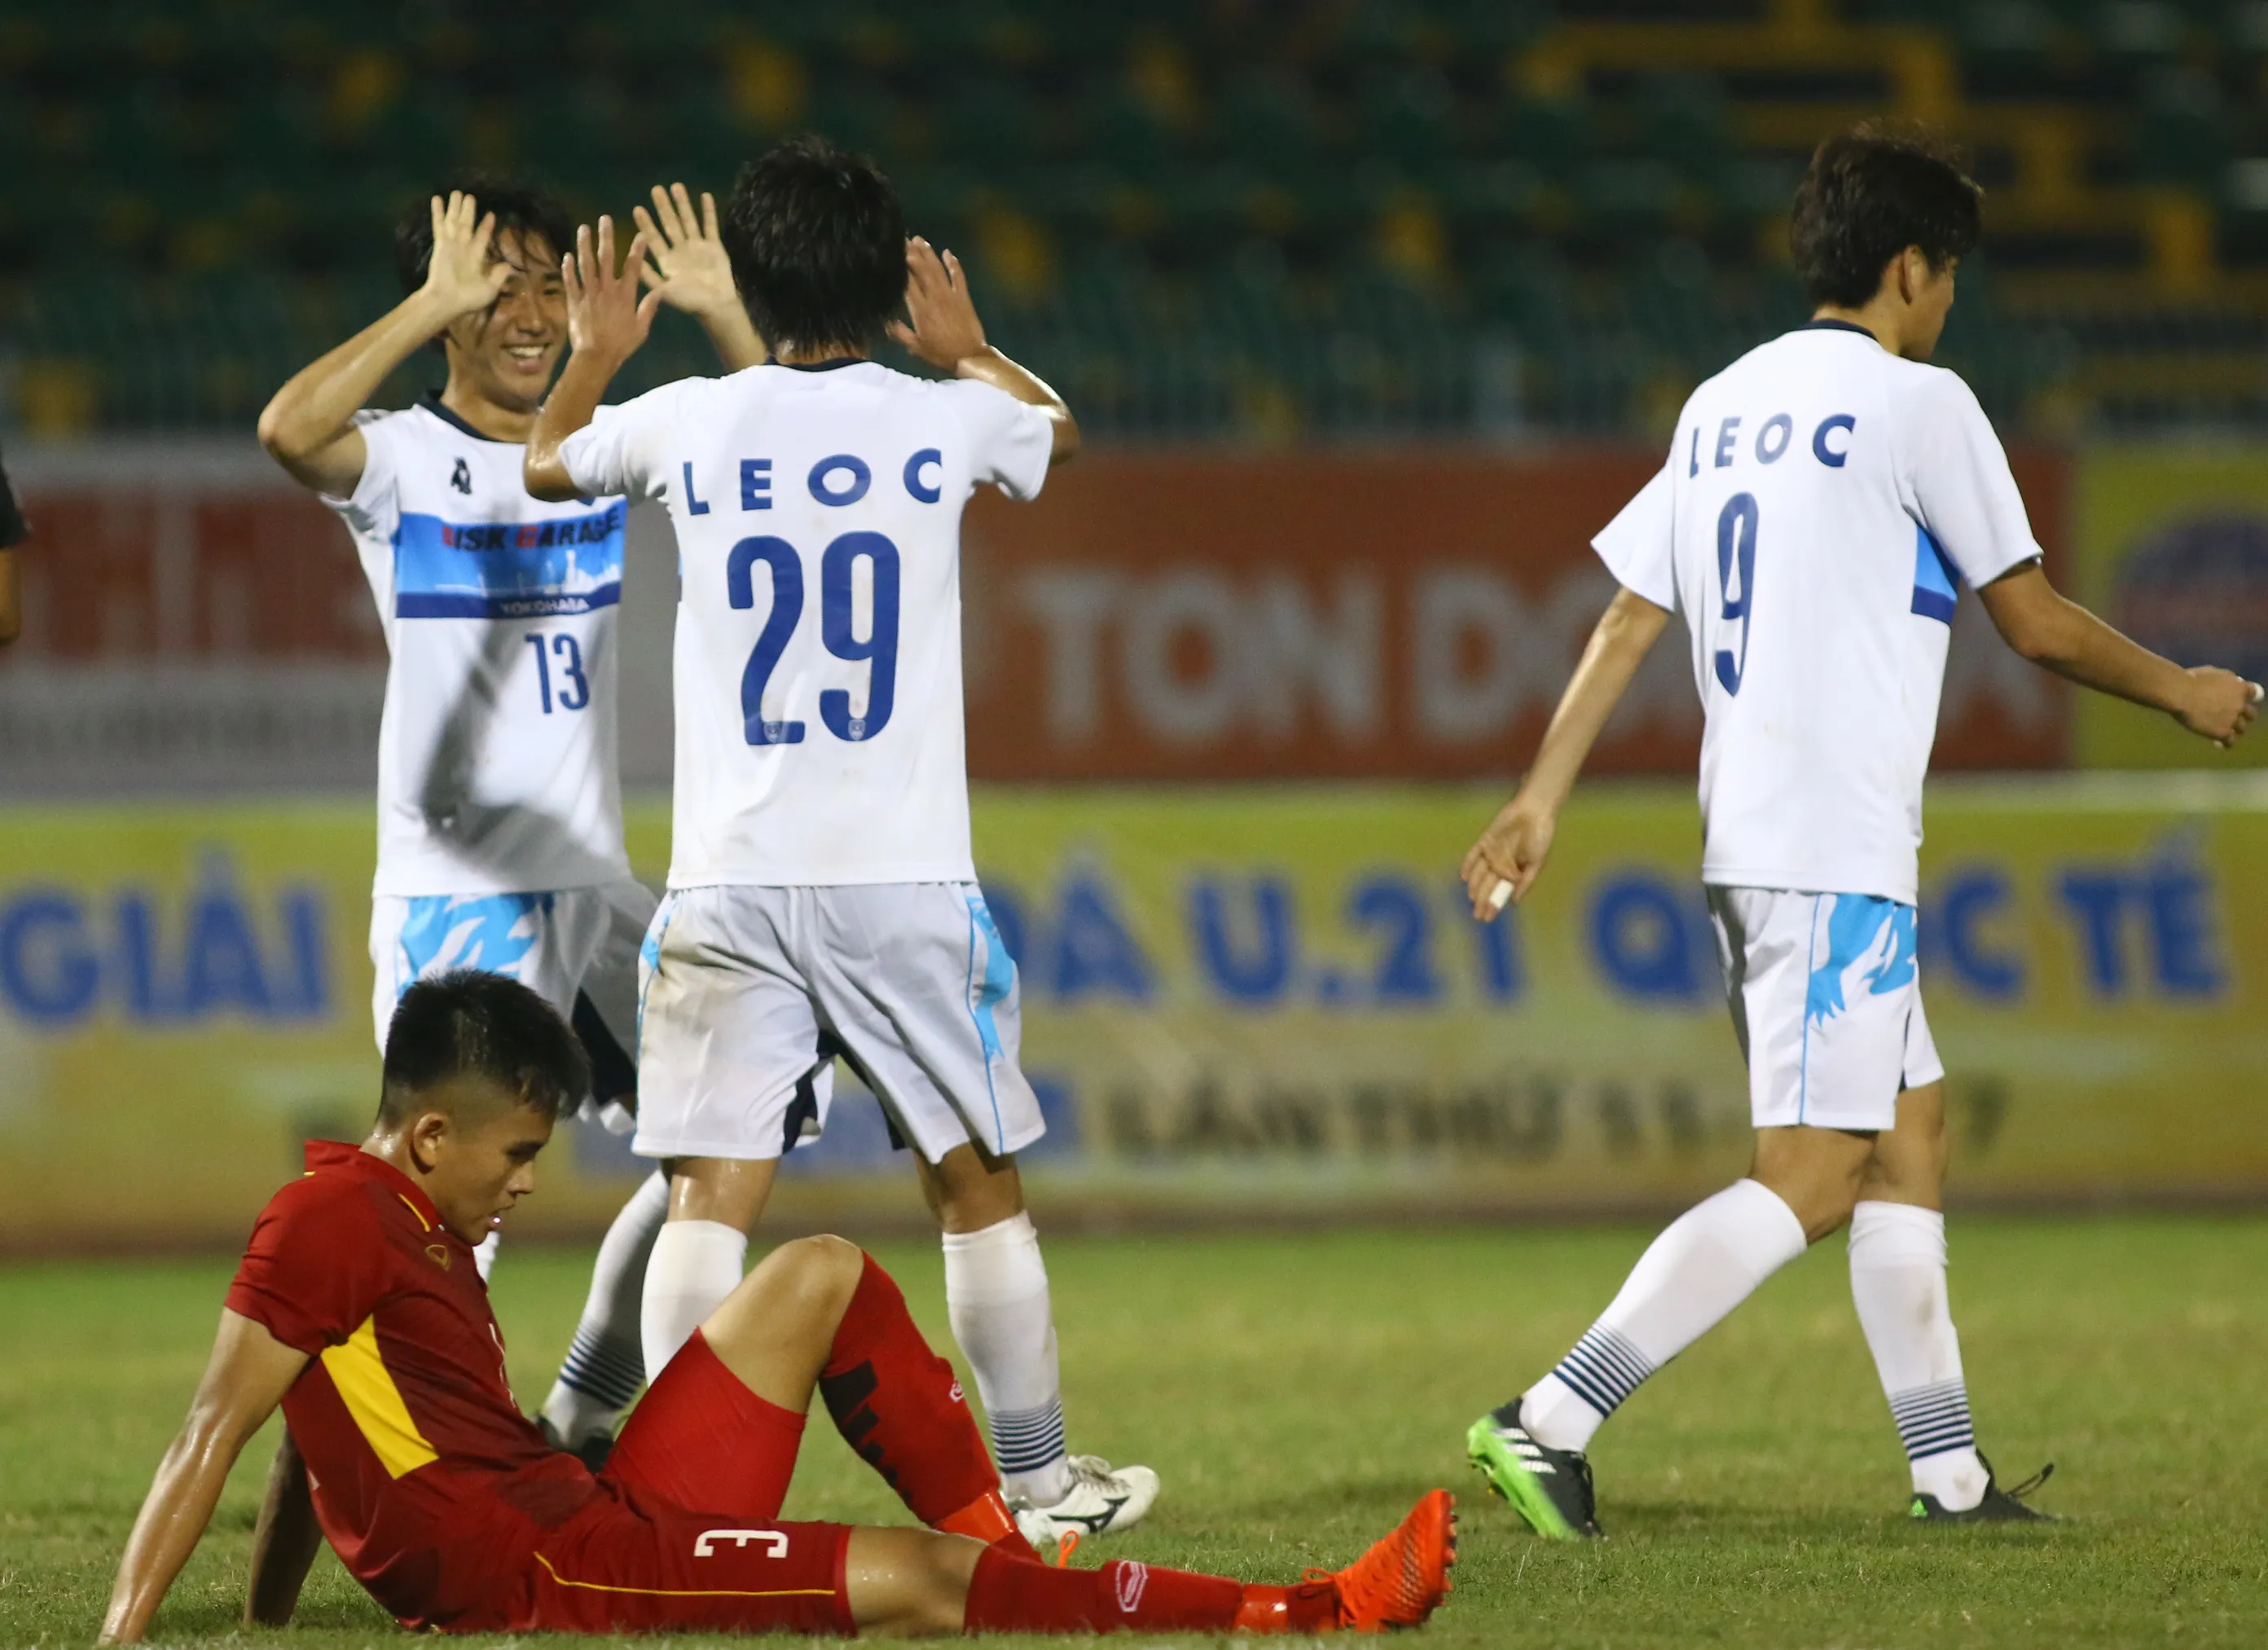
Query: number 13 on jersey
x,y
837,630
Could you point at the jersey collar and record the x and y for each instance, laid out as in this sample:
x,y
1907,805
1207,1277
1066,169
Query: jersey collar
x,y
336,1157
1839,326
824,366
431,404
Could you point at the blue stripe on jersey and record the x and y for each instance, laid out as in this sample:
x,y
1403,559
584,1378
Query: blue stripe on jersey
x,y
1936,585
507,570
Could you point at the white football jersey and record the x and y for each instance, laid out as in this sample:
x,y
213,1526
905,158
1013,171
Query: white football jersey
x,y
497,753
1822,502
818,663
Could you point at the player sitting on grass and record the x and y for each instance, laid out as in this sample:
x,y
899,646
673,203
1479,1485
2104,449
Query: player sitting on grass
x,y
1825,496
358,1309
822,899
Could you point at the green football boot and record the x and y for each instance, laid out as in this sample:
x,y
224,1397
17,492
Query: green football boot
x,y
1550,1488
1999,1507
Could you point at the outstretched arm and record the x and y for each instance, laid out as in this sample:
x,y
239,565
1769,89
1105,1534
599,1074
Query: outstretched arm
x,y
606,322
1512,850
248,1374
284,1542
946,334
686,263
2061,636
308,427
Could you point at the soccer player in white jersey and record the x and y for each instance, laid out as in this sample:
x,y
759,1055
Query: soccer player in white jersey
x,y
1825,496
823,898
500,831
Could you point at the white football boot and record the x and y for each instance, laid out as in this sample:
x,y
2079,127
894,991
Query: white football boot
x,y
1102,1501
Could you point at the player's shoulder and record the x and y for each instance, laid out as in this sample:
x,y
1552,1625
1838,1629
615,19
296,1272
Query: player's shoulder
x,y
326,1201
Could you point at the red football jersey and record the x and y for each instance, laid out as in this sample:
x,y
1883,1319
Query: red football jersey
x,y
430,1485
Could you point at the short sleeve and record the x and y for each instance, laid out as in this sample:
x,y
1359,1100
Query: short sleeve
x,y
1010,443
315,1267
1958,475
374,508
1636,545
612,456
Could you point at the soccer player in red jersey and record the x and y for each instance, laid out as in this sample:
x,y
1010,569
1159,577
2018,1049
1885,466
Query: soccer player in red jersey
x,y
357,1307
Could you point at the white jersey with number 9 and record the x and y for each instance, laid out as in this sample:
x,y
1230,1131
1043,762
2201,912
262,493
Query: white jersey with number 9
x,y
1822,502
818,662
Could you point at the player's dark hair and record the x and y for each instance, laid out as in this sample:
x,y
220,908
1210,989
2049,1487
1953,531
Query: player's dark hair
x,y
1867,196
468,1023
818,244
519,205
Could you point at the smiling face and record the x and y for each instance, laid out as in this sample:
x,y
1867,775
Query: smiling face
x,y
506,354
472,1145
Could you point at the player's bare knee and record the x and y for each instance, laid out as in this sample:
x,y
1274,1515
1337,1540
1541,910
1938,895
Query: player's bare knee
x,y
822,1271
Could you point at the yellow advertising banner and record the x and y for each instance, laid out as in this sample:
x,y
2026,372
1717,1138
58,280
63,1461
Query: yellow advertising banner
x,y
2172,548
1246,1003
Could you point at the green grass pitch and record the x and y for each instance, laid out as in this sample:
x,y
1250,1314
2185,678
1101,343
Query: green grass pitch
x,y
1298,1392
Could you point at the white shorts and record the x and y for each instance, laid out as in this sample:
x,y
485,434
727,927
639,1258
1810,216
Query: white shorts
x,y
1826,1001
577,949
748,994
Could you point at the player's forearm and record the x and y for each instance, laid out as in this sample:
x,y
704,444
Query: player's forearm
x,y
173,1520
1625,634
313,407
284,1542
988,365
2077,646
574,399
12,610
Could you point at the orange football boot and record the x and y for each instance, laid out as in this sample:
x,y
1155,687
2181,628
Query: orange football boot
x,y
1403,1578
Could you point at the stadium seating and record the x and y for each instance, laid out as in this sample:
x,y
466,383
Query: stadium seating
x,y
1366,217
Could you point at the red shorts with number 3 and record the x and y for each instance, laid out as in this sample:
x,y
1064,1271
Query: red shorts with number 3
x,y
685,1533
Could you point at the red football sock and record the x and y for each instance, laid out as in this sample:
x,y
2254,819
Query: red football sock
x,y
897,1403
1012,1594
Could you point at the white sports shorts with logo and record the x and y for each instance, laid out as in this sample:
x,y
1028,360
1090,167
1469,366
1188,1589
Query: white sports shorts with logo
x,y
748,993
577,949
1826,1001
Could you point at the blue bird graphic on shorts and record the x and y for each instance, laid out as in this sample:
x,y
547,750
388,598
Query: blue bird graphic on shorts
x,y
492,933
1869,934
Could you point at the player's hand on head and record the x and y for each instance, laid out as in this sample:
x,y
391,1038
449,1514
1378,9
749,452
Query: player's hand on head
x,y
685,259
464,271
945,330
605,315
1509,854
2222,705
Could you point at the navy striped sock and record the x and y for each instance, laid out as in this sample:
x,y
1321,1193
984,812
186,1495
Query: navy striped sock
x,y
1025,1440
607,1370
1933,1421
1603,1369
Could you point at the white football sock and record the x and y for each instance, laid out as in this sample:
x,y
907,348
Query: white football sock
x,y
484,1254
996,1294
606,1366
694,1265
1897,1282
1712,1258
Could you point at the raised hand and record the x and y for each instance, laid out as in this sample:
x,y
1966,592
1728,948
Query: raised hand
x,y
2222,705
605,317
464,274
685,257
945,330
1510,854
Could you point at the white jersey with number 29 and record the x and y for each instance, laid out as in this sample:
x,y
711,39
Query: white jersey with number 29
x,y
818,663
1822,503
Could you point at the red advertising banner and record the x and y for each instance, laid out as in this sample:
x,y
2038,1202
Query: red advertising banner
x,y
1402,615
